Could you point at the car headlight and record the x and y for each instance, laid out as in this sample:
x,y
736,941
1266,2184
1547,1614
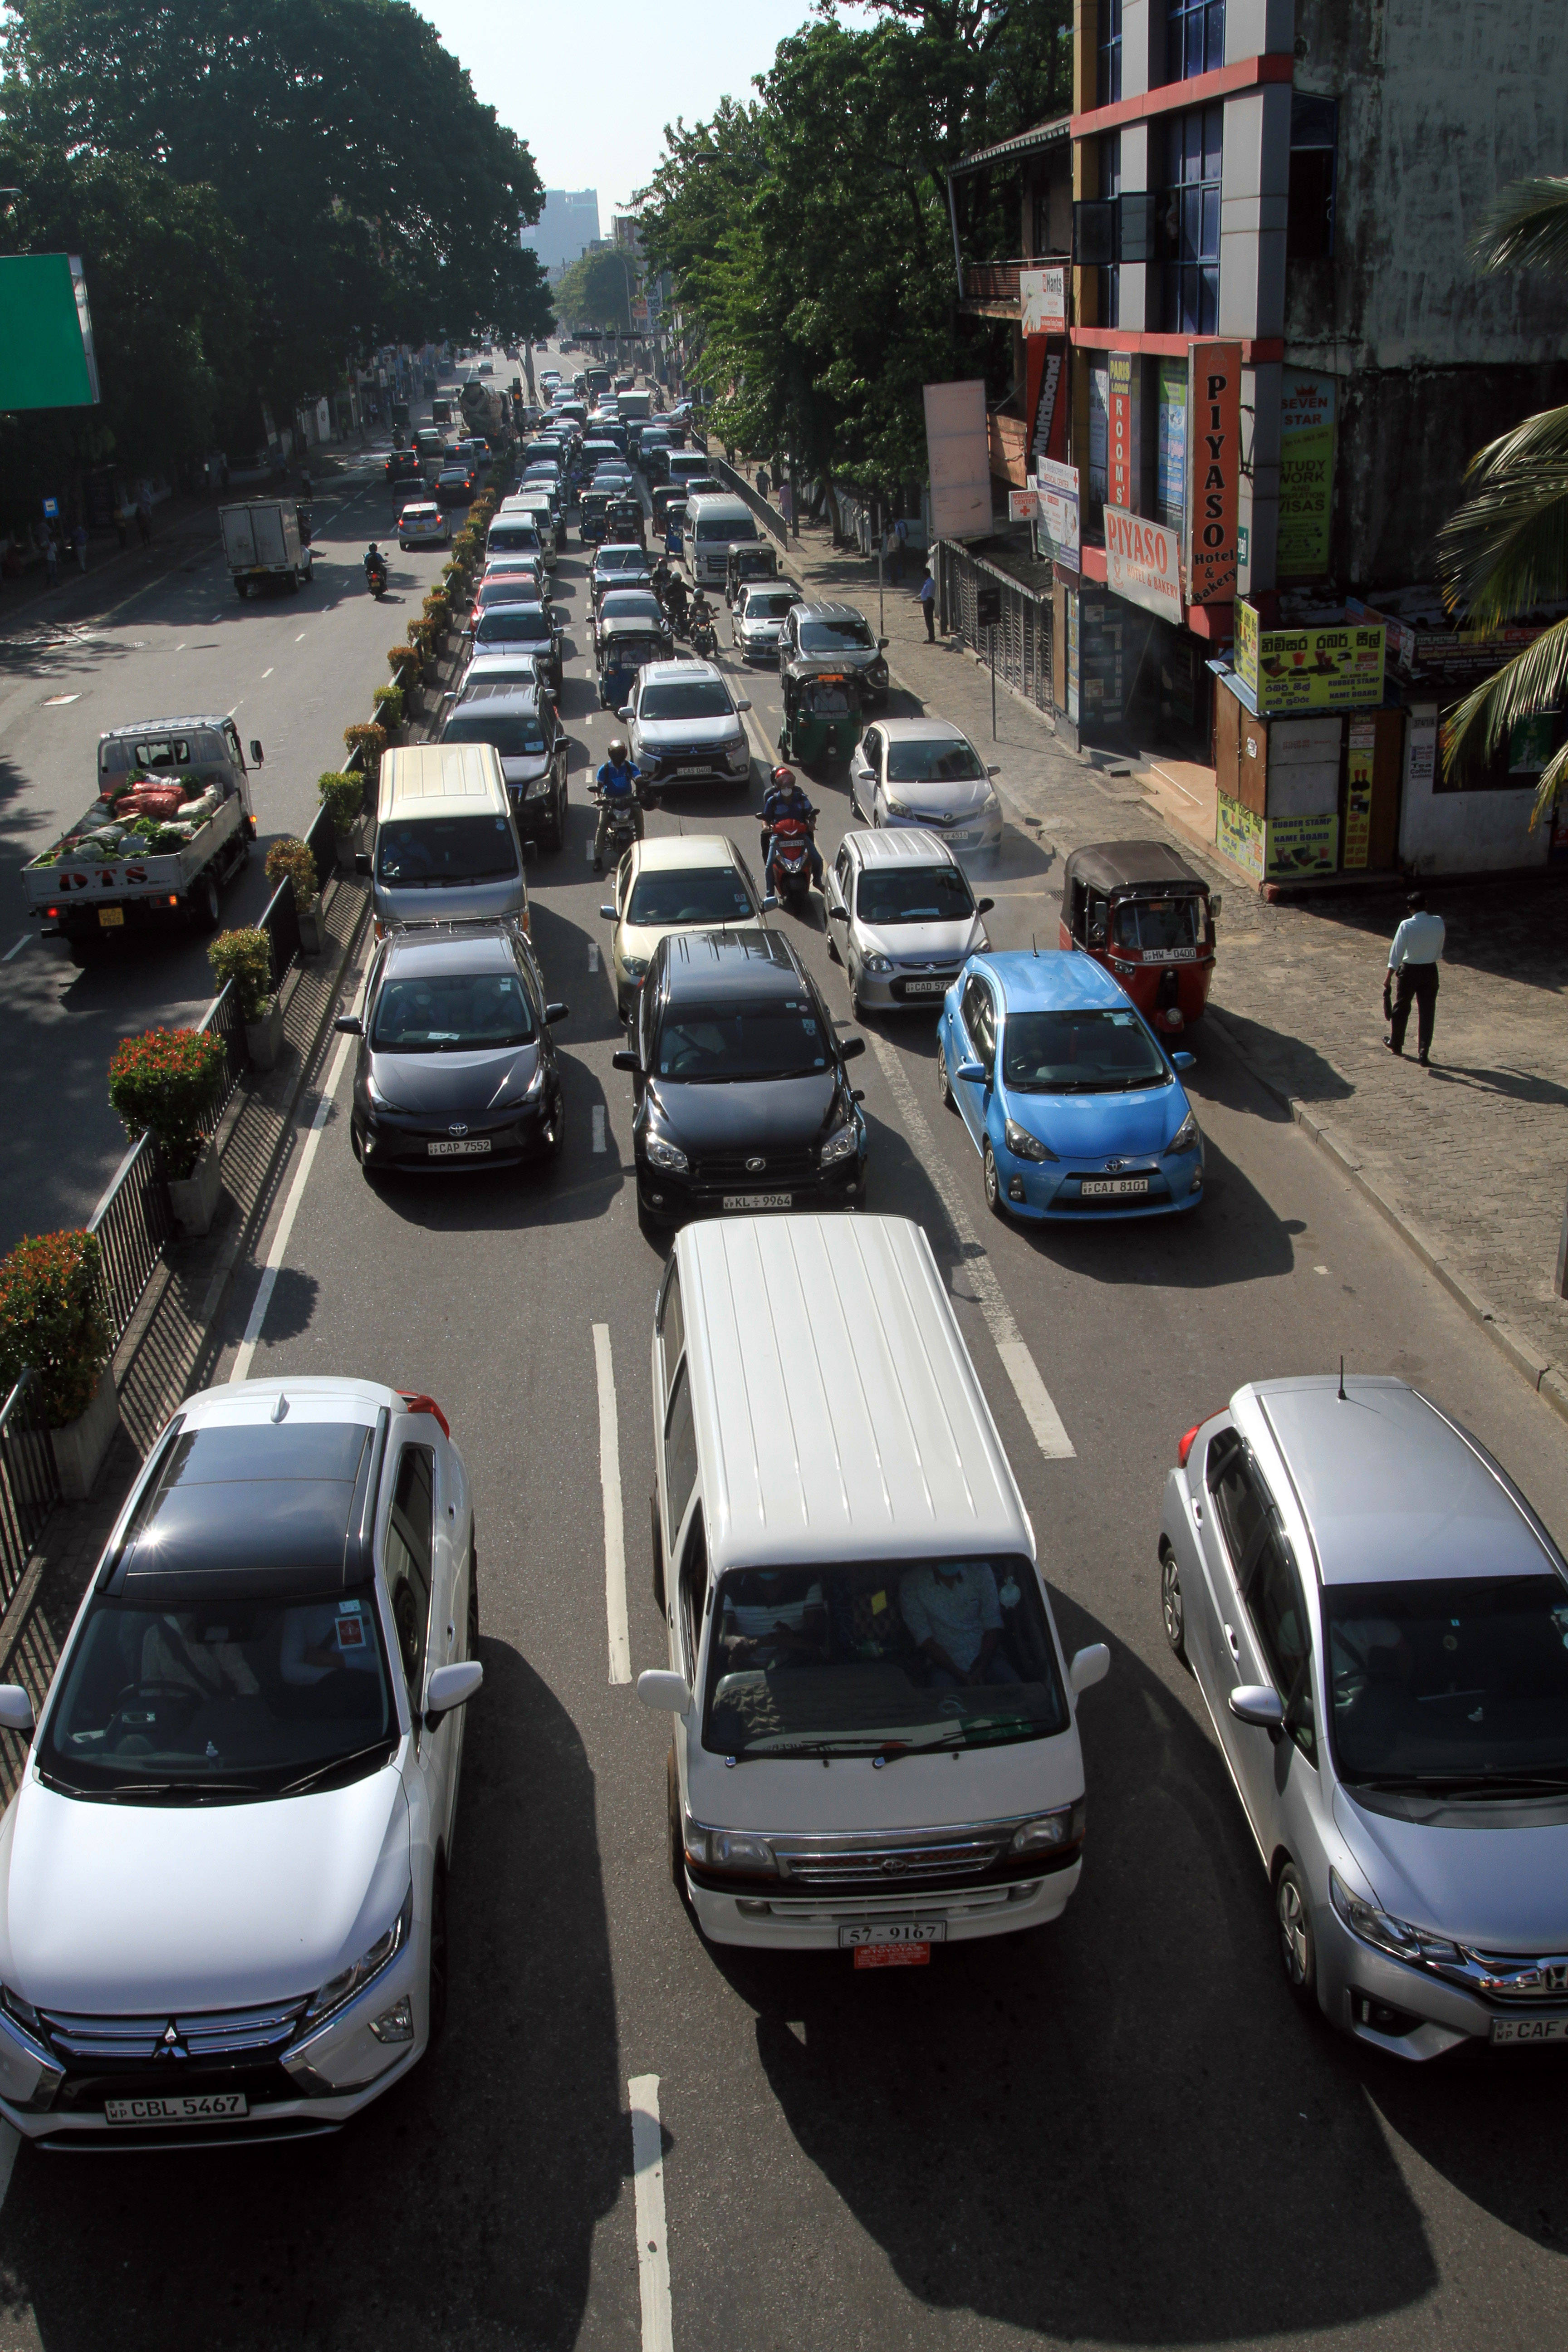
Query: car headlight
x,y
899,808
740,754
840,1146
737,1850
1046,1831
351,1980
378,1100
537,788
877,672
1025,1146
880,964
1185,1137
647,760
1396,1937
25,2014
662,1154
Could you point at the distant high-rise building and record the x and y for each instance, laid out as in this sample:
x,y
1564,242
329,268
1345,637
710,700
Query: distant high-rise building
x,y
567,226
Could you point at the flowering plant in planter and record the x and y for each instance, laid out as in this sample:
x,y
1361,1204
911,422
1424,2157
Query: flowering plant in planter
x,y
246,958
369,740
403,657
52,1318
291,860
344,796
388,701
168,1080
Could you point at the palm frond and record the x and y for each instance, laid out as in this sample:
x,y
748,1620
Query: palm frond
x,y
1533,682
1526,228
1505,551
1540,440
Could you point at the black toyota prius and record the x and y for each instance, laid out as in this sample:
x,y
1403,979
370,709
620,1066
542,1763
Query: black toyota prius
x,y
743,1100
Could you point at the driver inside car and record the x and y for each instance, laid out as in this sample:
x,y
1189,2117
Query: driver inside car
x,y
773,1617
954,1620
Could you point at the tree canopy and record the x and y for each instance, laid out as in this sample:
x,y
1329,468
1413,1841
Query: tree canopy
x,y
596,290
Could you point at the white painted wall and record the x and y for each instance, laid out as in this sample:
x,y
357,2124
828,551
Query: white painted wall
x,y
1461,832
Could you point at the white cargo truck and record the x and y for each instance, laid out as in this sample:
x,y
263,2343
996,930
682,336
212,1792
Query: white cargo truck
x,y
261,541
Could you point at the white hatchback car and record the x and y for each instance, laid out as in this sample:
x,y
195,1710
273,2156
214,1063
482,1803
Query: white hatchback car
x,y
901,918
423,523
223,1910
926,772
679,882
758,615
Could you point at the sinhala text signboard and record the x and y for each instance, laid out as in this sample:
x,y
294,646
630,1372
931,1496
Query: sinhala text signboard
x,y
1336,666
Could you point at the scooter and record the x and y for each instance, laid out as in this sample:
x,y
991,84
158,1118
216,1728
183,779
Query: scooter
x,y
789,858
622,829
376,576
704,636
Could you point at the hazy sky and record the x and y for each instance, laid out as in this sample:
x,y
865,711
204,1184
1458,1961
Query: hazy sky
x,y
590,87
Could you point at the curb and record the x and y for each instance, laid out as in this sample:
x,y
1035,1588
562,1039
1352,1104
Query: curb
x,y
1547,1380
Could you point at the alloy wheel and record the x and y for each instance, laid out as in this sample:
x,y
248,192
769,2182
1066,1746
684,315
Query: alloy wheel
x,y
1171,1604
992,1183
1294,1919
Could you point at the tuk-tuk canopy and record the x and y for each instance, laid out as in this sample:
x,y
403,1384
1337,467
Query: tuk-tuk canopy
x,y
1117,867
631,640
819,685
756,563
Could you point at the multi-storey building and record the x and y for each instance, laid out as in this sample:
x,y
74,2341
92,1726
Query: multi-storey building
x,y
566,229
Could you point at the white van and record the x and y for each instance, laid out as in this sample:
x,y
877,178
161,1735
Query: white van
x,y
848,1577
714,525
447,849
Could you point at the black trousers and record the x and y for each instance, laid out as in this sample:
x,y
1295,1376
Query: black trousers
x,y
1417,980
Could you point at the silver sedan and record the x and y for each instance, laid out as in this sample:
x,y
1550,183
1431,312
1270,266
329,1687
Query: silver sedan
x,y
926,772
756,618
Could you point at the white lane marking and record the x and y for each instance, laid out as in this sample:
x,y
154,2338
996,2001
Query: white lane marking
x,y
10,2141
653,2249
180,648
299,641
614,1524
592,953
53,701
17,948
267,673
275,1255
1016,1361
601,1142
588,851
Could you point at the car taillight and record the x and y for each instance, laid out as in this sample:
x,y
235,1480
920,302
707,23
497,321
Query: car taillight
x,y
1184,1444
426,1404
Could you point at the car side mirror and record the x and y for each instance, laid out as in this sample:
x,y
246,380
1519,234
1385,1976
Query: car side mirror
x,y
665,1692
1183,1061
626,714
257,754
883,648
984,906
554,1013
624,1058
349,1025
993,771
1255,1703
769,903
742,706
848,1048
1217,900
841,914
362,861
1089,1666
975,1072
451,1687
857,1094
16,1708
608,914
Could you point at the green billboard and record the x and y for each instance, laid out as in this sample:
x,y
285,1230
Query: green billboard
x,y
45,345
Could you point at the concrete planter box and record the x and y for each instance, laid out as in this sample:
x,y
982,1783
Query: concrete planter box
x,y
264,1038
80,1446
345,843
310,929
194,1198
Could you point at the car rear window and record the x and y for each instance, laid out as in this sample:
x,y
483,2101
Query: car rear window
x,y
512,624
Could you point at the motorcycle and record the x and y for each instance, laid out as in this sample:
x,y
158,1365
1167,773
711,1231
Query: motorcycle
x,y
375,577
622,829
789,859
704,635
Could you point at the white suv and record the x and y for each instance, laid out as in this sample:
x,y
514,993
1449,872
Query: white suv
x,y
685,725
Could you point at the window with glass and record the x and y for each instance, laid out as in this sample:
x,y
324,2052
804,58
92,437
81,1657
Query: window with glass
x,y
1107,77
1110,190
1310,220
1187,222
1194,39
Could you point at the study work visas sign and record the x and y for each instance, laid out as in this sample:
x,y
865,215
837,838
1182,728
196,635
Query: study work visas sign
x,y
1214,459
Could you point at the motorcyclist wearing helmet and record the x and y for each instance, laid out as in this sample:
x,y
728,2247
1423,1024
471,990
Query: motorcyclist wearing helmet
x,y
375,561
785,796
617,786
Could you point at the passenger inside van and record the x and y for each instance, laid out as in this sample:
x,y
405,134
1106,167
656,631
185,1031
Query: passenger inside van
x,y
773,1617
954,1617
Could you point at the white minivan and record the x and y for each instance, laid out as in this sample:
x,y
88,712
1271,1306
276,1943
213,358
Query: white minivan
x,y
717,523
848,1577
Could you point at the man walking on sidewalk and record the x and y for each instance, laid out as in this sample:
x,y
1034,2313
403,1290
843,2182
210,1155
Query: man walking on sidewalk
x,y
52,560
928,605
1417,945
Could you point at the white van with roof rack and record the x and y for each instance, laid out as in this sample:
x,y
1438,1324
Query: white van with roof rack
x,y
848,1577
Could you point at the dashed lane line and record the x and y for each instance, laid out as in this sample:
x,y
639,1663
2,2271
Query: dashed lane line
x,y
614,1522
653,2247
1019,1365
601,1137
16,950
275,1255
593,954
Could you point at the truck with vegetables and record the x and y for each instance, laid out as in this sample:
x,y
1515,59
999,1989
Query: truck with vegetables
x,y
172,822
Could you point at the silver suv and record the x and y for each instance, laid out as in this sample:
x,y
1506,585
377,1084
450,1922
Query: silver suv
x,y
837,633
685,725
1378,1624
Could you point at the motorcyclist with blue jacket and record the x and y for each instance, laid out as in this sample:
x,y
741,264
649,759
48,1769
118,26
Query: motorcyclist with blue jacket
x,y
616,788
785,796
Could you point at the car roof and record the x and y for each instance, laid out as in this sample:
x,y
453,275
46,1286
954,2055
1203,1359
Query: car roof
x,y
837,1412
471,947
667,673
898,844
523,604
500,695
827,610
739,962
922,730
1053,979
675,852
1122,865
1391,1489
421,507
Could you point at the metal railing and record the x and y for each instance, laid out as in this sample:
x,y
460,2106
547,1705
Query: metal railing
x,y
1021,642
135,1224
29,1480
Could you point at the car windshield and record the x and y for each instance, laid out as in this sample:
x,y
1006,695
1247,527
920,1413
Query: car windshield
x,y
1083,1053
444,852
695,698
768,605
621,652
913,894
723,527
515,736
705,1044
451,1012
880,1658
611,560
704,893
934,759
1158,925
512,538
221,1700
1449,1680
516,623
835,637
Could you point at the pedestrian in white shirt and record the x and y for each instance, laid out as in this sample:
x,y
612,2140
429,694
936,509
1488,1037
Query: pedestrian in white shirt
x,y
1413,975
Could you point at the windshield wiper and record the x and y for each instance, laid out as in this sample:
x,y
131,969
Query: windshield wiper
x,y
337,1764
1467,1783
130,1789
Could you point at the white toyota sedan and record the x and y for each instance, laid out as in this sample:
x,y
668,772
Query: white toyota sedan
x,y
424,524
223,1880
926,773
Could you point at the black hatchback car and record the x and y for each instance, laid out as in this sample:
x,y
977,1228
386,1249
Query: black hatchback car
x,y
743,1101
456,1066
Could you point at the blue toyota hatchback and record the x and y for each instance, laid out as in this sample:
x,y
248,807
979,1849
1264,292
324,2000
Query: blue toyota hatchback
x,y
1074,1106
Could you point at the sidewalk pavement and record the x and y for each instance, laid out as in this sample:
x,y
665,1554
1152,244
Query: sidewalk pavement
x,y
1467,1159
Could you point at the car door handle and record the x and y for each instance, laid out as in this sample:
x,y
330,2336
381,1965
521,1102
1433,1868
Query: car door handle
x,y
1234,1644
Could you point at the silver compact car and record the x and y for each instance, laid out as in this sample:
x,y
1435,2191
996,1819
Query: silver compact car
x,y
1378,1622
926,772
758,615
901,918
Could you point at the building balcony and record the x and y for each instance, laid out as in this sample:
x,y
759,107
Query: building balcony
x,y
991,289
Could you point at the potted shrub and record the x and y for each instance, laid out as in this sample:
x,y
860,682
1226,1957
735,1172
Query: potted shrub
x,y
52,1318
168,1080
293,861
388,700
244,957
370,741
344,797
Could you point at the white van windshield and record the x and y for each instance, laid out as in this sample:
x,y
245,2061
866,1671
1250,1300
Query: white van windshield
x,y
726,528
885,1657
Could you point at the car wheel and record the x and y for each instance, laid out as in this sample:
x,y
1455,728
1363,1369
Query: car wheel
x,y
1298,1945
435,1997
554,1130
204,903
944,1083
1171,1604
993,1201
657,1542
